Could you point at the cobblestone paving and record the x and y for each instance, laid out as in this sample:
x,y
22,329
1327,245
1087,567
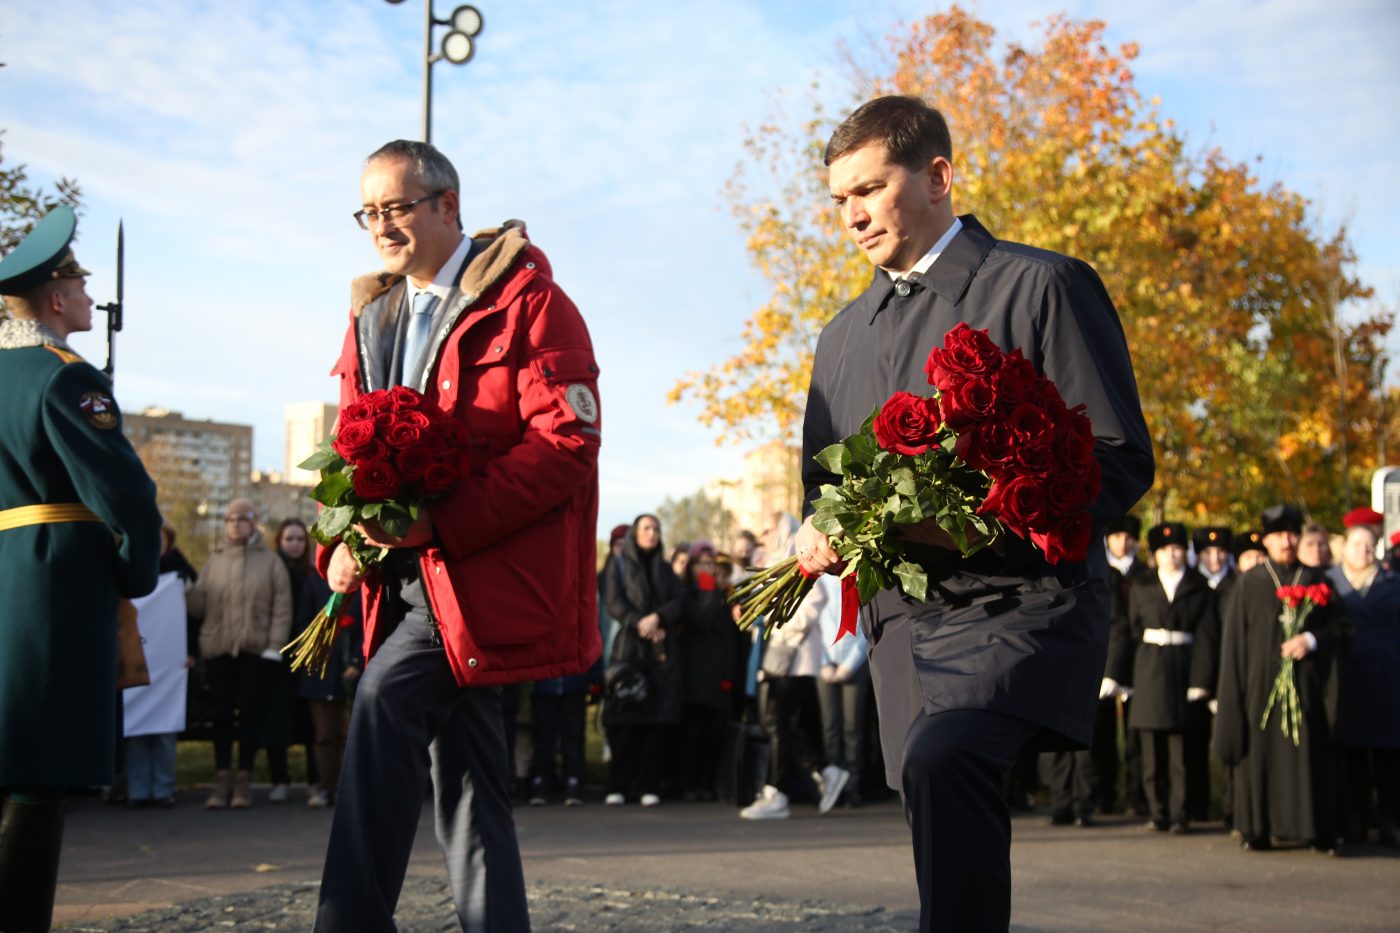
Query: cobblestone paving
x,y
426,907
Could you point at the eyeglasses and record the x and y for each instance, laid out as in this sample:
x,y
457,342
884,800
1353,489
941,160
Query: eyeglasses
x,y
393,212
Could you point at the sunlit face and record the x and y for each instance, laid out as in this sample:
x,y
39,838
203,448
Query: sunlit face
x,y
418,243
1121,544
1359,551
1171,557
76,304
679,561
292,542
742,552
238,526
1282,546
648,533
1314,550
889,211
1213,559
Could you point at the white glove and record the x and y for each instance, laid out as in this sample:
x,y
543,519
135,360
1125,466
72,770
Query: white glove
x,y
1214,707
1194,694
272,654
1125,692
1108,688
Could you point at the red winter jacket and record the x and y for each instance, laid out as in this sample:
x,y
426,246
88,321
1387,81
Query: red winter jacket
x,y
510,577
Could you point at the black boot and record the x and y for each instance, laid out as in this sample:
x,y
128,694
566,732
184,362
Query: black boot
x,y
31,837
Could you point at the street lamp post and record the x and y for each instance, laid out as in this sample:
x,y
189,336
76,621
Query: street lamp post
x,y
458,47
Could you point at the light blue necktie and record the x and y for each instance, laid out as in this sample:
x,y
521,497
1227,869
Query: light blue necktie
x,y
420,327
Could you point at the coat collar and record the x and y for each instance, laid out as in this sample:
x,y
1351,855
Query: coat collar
x,y
494,253
19,333
949,276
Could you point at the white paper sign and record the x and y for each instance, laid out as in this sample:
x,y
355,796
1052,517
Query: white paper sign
x,y
160,707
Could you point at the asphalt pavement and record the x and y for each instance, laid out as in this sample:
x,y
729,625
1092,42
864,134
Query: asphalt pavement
x,y
699,867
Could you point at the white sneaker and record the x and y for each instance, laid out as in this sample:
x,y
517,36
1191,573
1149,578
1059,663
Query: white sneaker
x,y
278,794
650,800
614,800
771,804
318,798
832,781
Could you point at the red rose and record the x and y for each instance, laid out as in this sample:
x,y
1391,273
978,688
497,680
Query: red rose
x,y
352,439
375,481
1031,425
1073,450
413,463
373,452
907,424
1069,540
1066,493
407,430
357,410
1035,459
988,446
380,400
965,352
440,476
1015,381
403,398
967,404
1018,502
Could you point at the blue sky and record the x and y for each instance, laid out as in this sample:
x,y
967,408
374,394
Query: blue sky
x,y
231,136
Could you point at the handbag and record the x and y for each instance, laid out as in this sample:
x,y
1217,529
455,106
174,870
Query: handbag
x,y
131,658
627,688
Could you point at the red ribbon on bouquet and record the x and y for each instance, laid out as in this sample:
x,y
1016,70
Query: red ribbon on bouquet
x,y
850,604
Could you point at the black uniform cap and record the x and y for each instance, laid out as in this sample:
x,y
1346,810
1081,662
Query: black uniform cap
x,y
1166,533
1129,523
1211,536
43,255
1281,518
1251,540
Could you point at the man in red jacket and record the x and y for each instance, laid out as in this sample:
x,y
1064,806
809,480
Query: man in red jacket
x,y
494,583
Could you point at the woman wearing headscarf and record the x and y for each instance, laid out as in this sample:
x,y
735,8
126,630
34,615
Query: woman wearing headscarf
x,y
642,698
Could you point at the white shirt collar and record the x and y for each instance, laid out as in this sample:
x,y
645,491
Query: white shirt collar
x,y
1170,581
446,278
1121,564
1214,578
933,253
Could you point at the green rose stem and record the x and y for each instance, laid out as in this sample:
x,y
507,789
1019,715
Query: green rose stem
x,y
311,650
773,594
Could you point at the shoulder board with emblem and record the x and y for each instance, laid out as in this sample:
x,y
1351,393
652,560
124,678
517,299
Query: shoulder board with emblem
x,y
68,356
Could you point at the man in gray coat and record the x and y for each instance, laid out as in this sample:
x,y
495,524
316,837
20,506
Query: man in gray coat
x,y
1008,650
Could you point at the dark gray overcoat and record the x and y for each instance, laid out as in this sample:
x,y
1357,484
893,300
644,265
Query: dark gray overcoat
x,y
1007,633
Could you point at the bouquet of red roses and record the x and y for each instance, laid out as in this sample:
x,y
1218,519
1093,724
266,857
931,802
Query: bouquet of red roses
x,y
1297,601
994,449
392,453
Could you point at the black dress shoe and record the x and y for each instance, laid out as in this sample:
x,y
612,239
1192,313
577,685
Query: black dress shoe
x,y
1061,818
1159,826
1256,844
1084,822
1180,828
1325,848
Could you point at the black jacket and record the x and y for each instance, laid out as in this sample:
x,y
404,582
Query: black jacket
x,y
1007,633
1162,673
637,584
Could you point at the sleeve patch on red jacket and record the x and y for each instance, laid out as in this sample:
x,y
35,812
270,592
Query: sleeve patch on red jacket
x,y
582,401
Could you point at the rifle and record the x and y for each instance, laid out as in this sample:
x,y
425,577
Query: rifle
x,y
114,308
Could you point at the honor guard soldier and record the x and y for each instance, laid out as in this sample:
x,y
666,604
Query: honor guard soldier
x,y
79,529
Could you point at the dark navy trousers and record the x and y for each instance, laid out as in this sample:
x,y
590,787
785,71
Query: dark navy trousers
x,y
411,721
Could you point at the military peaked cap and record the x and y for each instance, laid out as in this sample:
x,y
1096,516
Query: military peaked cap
x,y
43,255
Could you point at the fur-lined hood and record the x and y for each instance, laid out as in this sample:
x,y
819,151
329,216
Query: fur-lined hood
x,y
18,333
497,250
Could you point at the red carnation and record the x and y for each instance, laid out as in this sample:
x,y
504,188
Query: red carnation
x,y
965,352
375,481
907,424
352,439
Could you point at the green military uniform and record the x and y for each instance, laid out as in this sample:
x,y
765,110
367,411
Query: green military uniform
x,y
79,528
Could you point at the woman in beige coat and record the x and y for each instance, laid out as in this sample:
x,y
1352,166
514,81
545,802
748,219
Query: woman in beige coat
x,y
244,597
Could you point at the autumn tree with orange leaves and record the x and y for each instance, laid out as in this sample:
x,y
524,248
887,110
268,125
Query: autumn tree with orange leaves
x,y
1255,387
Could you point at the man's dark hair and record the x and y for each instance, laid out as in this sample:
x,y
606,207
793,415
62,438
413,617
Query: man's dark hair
x,y
433,169
913,133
